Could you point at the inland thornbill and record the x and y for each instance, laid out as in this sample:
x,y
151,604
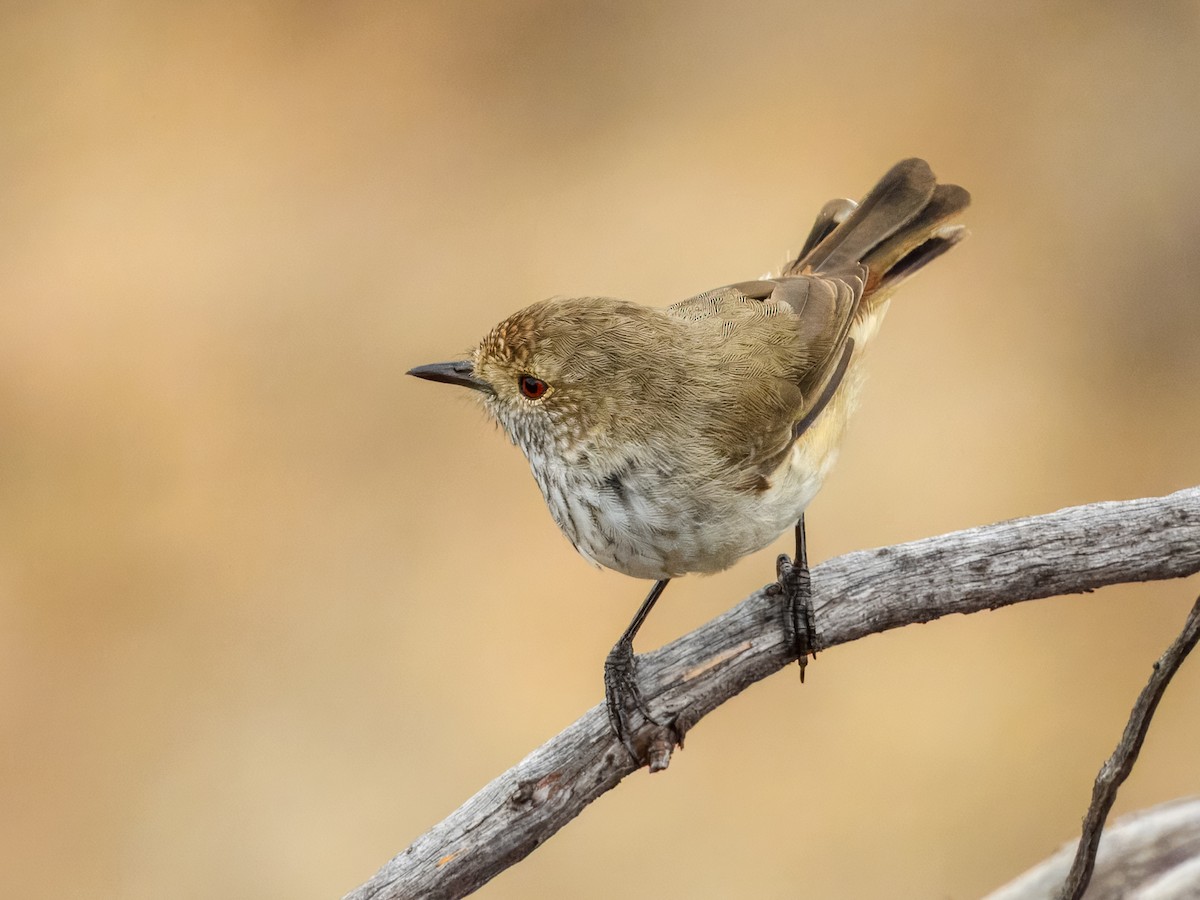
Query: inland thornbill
x,y
677,440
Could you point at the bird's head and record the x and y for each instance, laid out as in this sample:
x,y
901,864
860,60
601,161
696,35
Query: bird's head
x,y
562,376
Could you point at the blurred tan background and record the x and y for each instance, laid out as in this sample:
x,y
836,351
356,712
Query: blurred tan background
x,y
269,609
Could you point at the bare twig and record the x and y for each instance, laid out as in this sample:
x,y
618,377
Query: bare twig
x,y
1118,766
866,592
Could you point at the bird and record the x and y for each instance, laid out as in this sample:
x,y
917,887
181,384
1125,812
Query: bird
x,y
676,440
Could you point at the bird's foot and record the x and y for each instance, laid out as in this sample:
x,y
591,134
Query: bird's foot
x,y
623,697
800,625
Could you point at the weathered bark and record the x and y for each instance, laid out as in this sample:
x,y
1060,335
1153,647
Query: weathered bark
x,y
866,592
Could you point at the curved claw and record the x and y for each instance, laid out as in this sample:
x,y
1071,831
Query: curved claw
x,y
621,696
796,586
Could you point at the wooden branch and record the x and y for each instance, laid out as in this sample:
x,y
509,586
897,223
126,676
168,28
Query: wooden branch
x,y
1118,766
1151,853
866,592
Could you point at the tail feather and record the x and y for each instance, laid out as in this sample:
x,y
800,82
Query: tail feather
x,y
832,214
896,229
946,202
925,252
898,197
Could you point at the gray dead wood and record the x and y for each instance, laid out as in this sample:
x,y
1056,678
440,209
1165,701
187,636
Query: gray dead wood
x,y
1071,551
1149,855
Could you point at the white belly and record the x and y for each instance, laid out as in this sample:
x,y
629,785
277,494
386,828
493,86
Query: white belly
x,y
648,524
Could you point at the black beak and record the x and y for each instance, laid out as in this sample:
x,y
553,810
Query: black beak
x,y
461,373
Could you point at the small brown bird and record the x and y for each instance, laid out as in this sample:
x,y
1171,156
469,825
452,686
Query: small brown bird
x,y
677,440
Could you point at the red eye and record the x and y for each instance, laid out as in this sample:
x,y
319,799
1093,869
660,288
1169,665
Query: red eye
x,y
533,388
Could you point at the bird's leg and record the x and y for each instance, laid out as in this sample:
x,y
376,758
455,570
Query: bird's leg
x,y
621,691
796,587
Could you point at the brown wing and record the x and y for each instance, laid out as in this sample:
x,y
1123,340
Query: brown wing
x,y
797,324
781,349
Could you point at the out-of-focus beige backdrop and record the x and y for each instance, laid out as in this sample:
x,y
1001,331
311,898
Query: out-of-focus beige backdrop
x,y
269,609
